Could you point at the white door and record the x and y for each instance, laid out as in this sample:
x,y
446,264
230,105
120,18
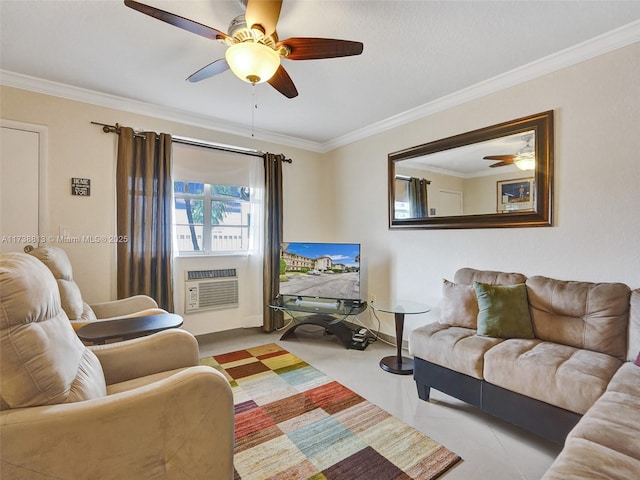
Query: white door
x,y
22,151
450,203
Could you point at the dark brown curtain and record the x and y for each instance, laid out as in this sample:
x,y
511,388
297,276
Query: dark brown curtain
x,y
418,197
272,239
144,216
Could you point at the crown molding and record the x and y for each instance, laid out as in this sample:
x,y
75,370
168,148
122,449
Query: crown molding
x,y
47,87
613,40
605,43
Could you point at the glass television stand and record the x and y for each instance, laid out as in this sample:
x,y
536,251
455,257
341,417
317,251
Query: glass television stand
x,y
327,313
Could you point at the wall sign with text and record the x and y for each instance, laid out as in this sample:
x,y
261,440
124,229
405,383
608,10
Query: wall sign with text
x,y
81,186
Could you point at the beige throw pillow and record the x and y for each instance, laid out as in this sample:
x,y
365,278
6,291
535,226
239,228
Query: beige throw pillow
x,y
459,305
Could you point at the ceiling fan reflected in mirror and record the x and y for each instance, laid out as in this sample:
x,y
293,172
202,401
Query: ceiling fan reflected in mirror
x,y
524,159
254,51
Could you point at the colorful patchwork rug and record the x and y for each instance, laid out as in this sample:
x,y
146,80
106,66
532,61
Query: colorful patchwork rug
x,y
294,423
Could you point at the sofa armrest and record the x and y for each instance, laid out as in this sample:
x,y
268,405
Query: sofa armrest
x,y
178,427
160,352
124,307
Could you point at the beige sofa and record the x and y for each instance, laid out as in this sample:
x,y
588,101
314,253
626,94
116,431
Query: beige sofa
x,y
575,379
138,409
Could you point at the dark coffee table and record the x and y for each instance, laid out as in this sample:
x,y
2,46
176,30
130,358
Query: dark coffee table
x,y
126,328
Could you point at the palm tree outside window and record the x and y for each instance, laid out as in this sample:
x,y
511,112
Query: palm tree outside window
x,y
211,218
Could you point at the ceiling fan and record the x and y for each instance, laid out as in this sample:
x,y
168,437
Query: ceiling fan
x,y
254,51
524,158
503,160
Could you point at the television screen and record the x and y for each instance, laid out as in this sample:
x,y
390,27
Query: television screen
x,y
320,270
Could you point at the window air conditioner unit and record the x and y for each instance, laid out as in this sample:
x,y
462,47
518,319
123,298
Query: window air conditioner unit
x,y
211,289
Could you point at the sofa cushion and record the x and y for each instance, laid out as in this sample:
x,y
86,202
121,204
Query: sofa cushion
x,y
606,442
614,422
469,275
626,380
455,348
459,305
582,459
503,311
557,374
42,361
593,316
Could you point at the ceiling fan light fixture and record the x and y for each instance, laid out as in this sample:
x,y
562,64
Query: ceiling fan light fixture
x,y
252,62
525,163
525,158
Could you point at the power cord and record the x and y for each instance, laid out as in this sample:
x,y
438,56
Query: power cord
x,y
286,325
376,335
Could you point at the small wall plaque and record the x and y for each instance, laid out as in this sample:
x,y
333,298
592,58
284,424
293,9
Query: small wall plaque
x,y
81,186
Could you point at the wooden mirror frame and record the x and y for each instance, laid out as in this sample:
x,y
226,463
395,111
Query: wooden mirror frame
x,y
542,123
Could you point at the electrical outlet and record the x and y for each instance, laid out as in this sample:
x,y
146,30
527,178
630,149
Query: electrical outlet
x,y
372,298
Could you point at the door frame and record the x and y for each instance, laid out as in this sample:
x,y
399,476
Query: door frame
x,y
43,148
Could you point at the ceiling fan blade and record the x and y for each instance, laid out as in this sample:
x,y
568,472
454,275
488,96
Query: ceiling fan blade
x,y
214,68
264,13
504,158
177,21
282,82
500,164
302,48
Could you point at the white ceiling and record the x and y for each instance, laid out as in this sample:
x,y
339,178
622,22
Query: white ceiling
x,y
467,161
415,53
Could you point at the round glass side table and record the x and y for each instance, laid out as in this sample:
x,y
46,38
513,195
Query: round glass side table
x,y
397,363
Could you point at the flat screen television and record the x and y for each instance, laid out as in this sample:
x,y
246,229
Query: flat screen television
x,y
320,270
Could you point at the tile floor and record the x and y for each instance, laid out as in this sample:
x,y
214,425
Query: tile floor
x,y
490,448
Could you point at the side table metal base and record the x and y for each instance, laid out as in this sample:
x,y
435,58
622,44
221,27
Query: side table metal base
x,y
402,367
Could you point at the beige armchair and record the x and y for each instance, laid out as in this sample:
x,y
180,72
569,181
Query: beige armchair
x,y
79,312
138,409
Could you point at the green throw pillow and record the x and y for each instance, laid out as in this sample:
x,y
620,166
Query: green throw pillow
x,y
503,311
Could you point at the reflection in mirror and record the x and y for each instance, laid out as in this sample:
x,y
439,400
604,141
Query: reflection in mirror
x,y
495,176
463,181
411,197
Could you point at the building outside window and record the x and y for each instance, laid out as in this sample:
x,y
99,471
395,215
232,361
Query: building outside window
x,y
211,218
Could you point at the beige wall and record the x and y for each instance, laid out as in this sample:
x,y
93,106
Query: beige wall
x,y
78,149
597,181
480,193
342,195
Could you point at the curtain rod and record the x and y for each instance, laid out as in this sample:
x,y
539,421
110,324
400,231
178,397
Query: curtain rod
x,y
405,177
198,143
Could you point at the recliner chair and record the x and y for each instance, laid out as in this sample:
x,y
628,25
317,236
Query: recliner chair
x,y
80,312
138,409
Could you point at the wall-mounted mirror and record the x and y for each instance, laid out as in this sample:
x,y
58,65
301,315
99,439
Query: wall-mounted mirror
x,y
498,176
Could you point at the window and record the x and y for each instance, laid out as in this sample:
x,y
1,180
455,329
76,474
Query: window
x,y
211,218
402,204
217,206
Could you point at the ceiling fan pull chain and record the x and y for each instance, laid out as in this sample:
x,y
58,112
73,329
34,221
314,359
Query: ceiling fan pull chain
x,y
254,107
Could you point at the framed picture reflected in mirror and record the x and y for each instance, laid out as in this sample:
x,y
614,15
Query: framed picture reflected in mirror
x,y
516,195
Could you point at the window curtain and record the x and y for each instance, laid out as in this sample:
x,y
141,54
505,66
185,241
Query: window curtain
x,y
144,216
255,259
272,319
418,197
